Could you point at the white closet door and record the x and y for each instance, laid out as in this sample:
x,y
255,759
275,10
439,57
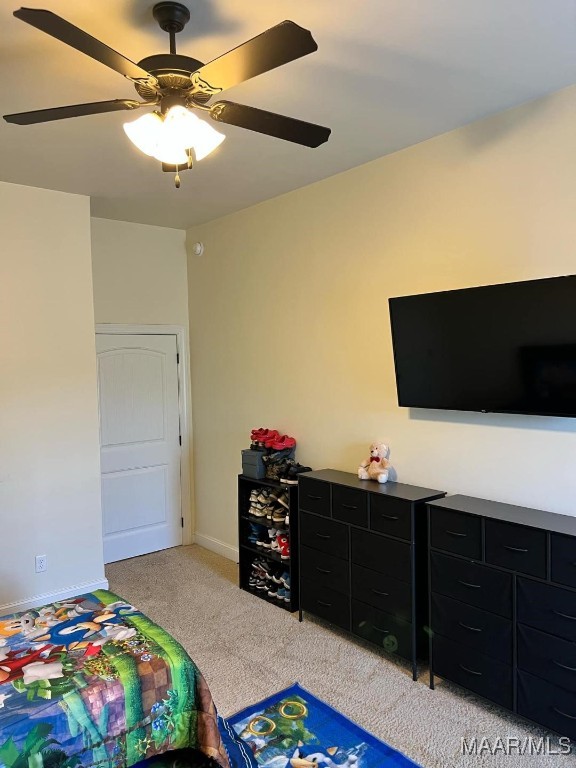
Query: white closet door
x,y
139,444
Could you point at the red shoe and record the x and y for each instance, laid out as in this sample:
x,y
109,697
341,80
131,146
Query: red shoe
x,y
280,443
264,435
283,546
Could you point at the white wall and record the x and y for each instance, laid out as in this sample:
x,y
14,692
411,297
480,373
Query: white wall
x,y
49,455
289,316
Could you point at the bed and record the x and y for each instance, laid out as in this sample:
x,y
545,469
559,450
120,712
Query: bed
x,y
91,682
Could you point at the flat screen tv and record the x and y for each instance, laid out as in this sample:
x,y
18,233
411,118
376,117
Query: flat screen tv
x,y
507,348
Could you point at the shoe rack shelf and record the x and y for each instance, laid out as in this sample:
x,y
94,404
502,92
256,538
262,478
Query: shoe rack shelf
x,y
248,551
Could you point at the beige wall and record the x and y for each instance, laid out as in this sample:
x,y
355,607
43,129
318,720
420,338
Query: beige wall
x,y
140,278
289,317
49,455
139,273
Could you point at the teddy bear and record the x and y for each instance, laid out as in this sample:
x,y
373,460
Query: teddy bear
x,y
377,467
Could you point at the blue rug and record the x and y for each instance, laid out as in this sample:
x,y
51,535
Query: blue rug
x,y
294,729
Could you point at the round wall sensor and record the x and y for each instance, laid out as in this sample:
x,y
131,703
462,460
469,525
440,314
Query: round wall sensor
x,y
198,249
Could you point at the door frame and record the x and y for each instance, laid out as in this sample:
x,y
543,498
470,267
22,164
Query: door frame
x,y
184,407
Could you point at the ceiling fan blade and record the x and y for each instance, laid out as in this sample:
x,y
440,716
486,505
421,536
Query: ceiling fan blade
x,y
287,128
283,43
74,110
54,25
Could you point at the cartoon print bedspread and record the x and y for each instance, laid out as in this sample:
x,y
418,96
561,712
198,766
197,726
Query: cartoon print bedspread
x,y
91,681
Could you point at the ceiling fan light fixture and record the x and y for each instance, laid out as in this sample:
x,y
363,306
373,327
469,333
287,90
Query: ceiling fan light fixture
x,y
169,137
144,132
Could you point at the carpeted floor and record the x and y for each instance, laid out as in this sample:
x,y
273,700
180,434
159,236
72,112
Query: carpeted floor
x,y
248,649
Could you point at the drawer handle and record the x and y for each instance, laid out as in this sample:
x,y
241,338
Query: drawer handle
x,y
349,506
381,594
471,671
472,629
564,615
316,498
564,666
467,584
456,533
326,605
322,570
384,631
323,535
389,517
564,714
515,549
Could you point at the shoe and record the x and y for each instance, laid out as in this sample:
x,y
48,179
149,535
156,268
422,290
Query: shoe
x,y
285,579
265,569
285,453
257,509
287,520
254,533
259,438
280,443
270,537
278,515
284,545
281,594
276,469
283,499
273,590
263,496
286,596
262,540
290,476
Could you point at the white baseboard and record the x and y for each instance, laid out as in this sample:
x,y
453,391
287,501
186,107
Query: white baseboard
x,y
215,545
52,597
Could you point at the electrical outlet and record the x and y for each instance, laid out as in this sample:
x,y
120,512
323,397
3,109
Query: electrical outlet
x,y
41,563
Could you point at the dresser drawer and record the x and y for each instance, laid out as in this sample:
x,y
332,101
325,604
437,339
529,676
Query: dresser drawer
x,y
563,549
381,554
546,607
325,603
486,632
314,496
350,505
475,584
547,704
391,516
456,532
324,535
475,671
325,570
516,547
547,656
388,632
380,591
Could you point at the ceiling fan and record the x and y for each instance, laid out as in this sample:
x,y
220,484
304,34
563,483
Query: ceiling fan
x,y
178,84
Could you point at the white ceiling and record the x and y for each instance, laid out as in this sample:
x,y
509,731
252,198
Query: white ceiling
x,y
388,74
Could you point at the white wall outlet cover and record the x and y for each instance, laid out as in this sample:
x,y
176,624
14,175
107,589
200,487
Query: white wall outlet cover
x,y
41,563
198,249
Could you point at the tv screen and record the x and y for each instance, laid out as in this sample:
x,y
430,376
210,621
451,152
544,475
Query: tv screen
x,y
507,348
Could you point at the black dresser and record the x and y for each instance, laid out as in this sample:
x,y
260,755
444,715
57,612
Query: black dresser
x,y
362,553
503,606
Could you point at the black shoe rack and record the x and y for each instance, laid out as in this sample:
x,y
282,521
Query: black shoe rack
x,y
248,551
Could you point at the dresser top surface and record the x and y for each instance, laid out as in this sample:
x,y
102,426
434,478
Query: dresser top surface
x,y
533,518
411,493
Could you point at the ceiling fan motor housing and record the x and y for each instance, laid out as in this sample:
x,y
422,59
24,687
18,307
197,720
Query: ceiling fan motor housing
x,y
172,71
